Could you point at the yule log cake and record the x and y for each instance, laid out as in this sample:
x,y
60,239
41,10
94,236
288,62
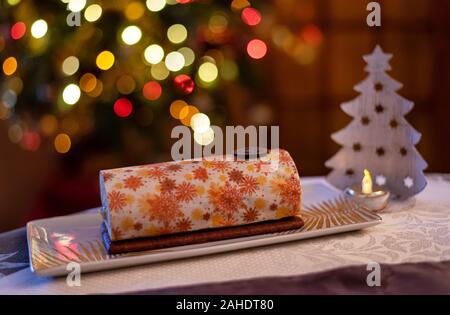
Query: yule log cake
x,y
194,201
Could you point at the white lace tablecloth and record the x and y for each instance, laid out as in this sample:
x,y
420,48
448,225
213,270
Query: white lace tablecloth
x,y
414,231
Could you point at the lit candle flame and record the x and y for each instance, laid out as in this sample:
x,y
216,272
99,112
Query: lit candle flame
x,y
367,183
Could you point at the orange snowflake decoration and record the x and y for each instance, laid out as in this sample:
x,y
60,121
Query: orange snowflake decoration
x,y
161,208
226,199
201,174
116,200
185,192
133,183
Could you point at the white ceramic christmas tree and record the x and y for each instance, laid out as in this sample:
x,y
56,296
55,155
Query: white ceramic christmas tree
x,y
379,138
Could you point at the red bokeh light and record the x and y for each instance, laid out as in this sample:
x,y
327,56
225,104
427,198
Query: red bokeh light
x,y
18,30
123,107
184,1
31,141
184,83
251,16
152,90
312,35
256,48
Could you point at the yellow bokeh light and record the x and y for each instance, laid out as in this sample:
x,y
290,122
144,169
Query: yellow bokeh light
x,y
159,71
71,94
48,124
134,10
207,72
200,123
15,84
39,28
154,54
186,114
70,65
204,138
188,54
177,33
105,60
13,2
174,61
88,82
125,84
62,143
97,90
93,13
282,37
218,23
156,5
131,35
15,133
176,107
9,66
76,5
237,5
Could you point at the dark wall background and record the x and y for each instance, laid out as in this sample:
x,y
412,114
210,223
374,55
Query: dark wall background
x,y
307,99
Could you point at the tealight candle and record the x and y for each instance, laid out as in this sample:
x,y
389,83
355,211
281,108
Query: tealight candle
x,y
366,197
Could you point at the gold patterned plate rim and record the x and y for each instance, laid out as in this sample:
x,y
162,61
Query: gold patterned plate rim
x,y
55,242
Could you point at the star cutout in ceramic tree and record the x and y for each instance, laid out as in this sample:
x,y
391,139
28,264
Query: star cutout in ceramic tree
x,y
380,180
378,60
408,182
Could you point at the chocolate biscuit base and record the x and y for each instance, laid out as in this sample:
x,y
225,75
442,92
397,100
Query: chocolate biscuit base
x,y
200,236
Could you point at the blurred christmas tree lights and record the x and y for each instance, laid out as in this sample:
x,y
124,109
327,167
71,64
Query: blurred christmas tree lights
x,y
139,60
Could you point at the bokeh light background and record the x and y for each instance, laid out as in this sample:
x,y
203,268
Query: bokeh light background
x,y
76,99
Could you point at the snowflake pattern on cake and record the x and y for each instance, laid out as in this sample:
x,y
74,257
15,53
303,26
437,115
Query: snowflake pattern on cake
x,y
190,195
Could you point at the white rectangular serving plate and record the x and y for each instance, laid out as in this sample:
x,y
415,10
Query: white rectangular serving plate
x,y
55,242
